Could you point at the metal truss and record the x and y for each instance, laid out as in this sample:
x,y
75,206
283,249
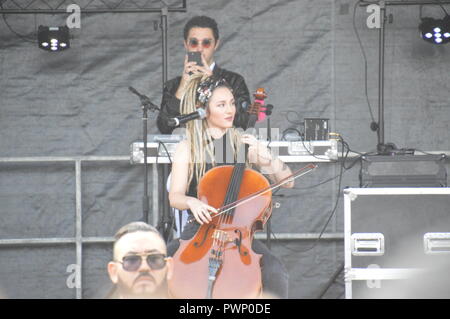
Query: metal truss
x,y
91,6
403,2
79,242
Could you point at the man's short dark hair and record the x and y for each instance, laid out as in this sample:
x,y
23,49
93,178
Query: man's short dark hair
x,y
201,22
135,227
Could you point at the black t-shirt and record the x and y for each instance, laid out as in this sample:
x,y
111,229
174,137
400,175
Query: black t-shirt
x,y
221,158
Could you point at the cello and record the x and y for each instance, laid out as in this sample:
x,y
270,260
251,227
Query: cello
x,y
218,262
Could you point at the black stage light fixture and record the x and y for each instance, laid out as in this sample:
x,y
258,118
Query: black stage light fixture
x,y
53,39
436,31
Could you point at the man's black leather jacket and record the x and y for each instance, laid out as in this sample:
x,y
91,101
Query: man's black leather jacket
x,y
170,105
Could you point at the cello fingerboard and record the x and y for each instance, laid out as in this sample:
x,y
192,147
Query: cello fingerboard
x,y
234,186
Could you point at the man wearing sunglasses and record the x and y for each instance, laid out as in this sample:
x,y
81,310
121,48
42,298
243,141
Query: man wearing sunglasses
x,y
140,266
201,34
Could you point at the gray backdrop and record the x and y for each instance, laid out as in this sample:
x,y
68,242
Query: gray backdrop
x,y
76,103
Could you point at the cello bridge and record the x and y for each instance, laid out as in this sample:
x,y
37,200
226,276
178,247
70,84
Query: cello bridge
x,y
220,235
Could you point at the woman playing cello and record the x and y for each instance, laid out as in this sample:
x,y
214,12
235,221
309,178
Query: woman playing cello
x,y
199,153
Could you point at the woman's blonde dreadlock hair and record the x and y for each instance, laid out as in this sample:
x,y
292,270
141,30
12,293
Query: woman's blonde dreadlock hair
x,y
197,93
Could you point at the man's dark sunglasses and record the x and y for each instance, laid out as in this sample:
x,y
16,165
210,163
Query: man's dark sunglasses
x,y
193,43
133,262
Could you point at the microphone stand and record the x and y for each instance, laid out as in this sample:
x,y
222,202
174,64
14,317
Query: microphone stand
x,y
381,147
146,105
145,198
164,210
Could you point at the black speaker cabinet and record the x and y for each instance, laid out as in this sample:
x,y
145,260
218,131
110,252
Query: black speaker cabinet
x,y
397,242
403,171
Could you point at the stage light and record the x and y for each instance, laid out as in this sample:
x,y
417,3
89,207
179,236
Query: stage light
x,y
435,31
53,39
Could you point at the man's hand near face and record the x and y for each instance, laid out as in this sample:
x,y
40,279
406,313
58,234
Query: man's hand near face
x,y
191,68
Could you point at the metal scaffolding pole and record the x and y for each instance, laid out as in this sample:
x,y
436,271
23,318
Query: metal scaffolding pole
x,y
79,240
12,7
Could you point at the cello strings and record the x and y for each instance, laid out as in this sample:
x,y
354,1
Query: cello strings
x,y
233,190
263,191
224,209
245,199
273,186
241,174
234,186
221,237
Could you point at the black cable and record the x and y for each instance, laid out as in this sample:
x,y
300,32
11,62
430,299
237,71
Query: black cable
x,y
343,169
293,122
344,159
357,159
171,223
167,152
331,280
283,136
302,139
329,217
421,10
345,145
314,155
365,60
442,7
23,37
319,184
